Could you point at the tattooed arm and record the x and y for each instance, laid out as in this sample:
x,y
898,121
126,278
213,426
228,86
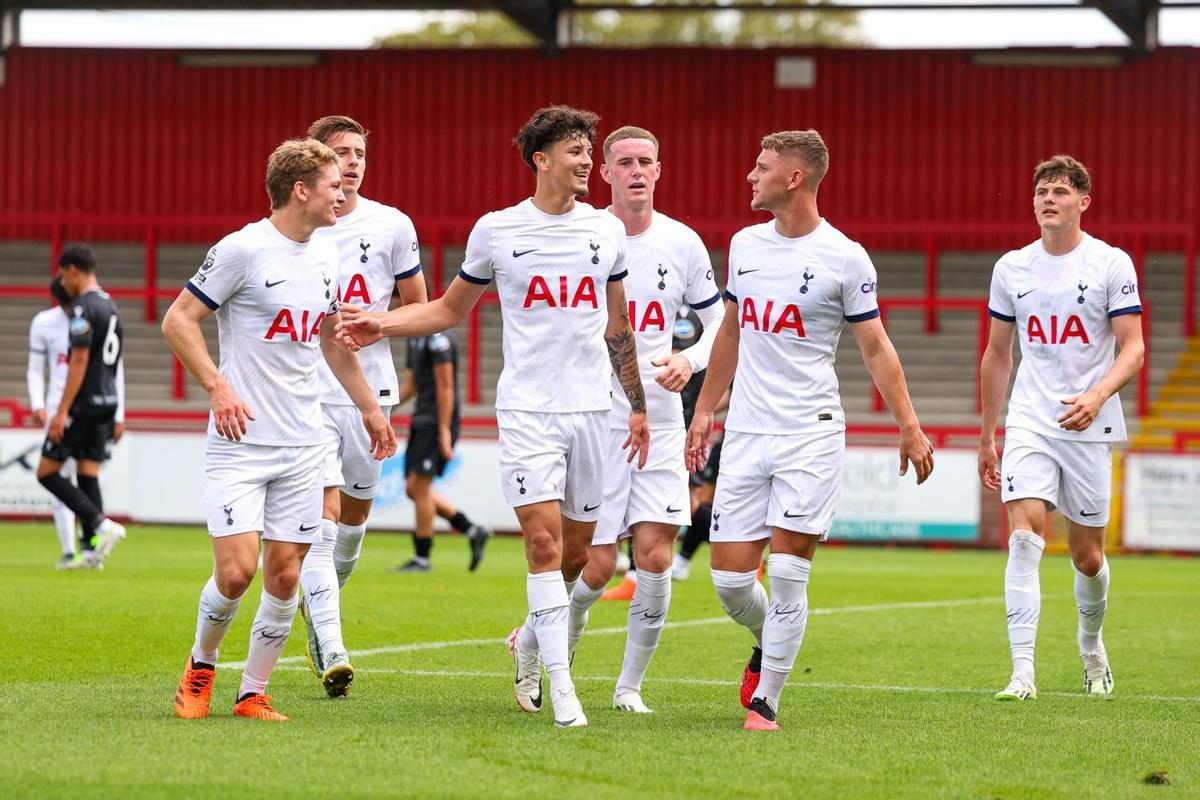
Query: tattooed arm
x,y
622,353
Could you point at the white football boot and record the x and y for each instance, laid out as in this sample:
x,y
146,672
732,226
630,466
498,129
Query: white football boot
x,y
528,684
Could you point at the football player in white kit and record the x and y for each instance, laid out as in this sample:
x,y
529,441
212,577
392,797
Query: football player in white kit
x,y
669,269
378,253
45,377
793,284
1069,299
558,266
273,287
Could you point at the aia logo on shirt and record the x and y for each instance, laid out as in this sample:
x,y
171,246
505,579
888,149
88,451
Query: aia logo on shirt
x,y
295,326
652,316
1035,330
771,319
356,291
61,359
582,293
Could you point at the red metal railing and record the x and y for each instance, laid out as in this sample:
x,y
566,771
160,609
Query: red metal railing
x,y
439,232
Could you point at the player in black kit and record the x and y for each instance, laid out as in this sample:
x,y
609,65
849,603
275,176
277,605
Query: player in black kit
x,y
433,378
83,427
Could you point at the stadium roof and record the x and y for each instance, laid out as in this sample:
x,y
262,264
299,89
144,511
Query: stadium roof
x,y
1137,19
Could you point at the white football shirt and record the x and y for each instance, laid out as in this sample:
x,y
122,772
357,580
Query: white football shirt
x,y
377,246
1062,307
793,298
49,345
668,267
270,295
551,274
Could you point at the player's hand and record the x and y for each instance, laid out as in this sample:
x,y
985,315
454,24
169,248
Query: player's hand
x,y
638,442
989,466
1081,412
359,328
916,447
58,426
445,443
118,431
677,373
229,412
695,455
383,436
39,417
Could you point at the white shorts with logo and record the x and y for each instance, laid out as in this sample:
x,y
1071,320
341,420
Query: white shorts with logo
x,y
1075,477
349,464
254,487
789,481
656,493
554,456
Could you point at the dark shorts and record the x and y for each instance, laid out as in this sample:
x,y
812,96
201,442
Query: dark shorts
x,y
88,437
711,467
423,457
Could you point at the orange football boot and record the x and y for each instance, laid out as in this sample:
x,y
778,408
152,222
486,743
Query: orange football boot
x,y
194,692
622,591
258,706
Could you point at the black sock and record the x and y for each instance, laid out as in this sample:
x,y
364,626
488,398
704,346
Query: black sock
x,y
423,545
89,514
459,522
697,532
90,486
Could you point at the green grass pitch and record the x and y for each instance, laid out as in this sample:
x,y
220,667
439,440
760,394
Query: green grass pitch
x,y
891,697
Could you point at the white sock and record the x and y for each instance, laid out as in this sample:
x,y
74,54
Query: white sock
x,y
322,590
632,574
743,598
547,620
1023,598
1091,597
268,635
64,525
212,623
647,615
787,617
582,599
347,550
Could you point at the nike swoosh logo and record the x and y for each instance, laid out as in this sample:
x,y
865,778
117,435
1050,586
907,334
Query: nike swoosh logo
x,y
673,510
748,271
276,283
1086,514
519,253
1022,294
309,528
793,516
368,486
587,508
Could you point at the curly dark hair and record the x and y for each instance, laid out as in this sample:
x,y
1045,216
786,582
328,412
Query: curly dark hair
x,y
59,292
554,124
1063,168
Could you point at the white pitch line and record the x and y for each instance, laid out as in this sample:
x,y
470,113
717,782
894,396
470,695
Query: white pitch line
x,y
617,629
799,684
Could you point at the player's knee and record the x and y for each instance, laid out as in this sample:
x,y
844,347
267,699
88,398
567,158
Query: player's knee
x,y
1089,563
285,581
543,549
234,580
413,487
574,563
353,517
657,560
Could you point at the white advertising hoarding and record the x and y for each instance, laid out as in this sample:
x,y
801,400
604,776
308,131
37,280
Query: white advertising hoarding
x,y
1162,501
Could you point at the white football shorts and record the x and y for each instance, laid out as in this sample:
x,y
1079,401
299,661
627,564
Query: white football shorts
x,y
656,493
1075,477
554,456
349,464
254,487
777,481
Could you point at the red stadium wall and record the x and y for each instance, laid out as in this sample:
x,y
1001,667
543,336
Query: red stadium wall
x,y
914,135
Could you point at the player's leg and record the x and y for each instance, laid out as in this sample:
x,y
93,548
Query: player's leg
x,y
64,523
86,438
320,596
652,546
601,566
477,535
611,526
698,530
1086,497
351,528
420,491
361,475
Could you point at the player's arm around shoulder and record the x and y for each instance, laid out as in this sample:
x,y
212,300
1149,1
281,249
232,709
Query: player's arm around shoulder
x,y
349,372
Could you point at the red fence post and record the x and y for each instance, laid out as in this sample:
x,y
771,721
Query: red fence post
x,y
151,273
931,281
1189,285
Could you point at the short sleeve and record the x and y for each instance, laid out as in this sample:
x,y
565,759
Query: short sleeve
x,y
619,270
82,327
860,294
701,288
406,250
1000,302
478,267
731,292
1123,297
222,274
441,349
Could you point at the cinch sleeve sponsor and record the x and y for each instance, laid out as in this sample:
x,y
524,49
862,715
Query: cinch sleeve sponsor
x,y
860,297
1000,302
1123,296
222,274
477,265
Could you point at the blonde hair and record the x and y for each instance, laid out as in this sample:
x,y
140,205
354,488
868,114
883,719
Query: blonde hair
x,y
628,132
808,147
1063,167
295,160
